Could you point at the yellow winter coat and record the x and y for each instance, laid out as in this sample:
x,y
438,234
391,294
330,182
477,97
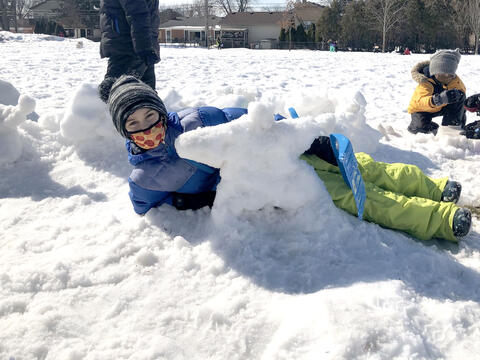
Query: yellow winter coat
x,y
422,97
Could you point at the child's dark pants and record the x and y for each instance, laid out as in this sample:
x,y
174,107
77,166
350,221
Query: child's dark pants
x,y
453,114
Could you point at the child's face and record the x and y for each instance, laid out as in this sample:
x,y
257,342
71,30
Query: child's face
x,y
141,119
445,78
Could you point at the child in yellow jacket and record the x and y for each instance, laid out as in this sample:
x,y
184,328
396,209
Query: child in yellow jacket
x,y
439,93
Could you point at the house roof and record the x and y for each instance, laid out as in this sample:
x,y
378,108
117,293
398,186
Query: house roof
x,y
307,4
308,11
253,18
190,22
46,6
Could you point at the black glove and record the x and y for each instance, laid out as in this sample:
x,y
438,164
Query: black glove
x,y
472,103
472,131
448,97
322,148
148,57
193,201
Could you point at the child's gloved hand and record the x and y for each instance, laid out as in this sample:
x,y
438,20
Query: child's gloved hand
x,y
448,97
472,103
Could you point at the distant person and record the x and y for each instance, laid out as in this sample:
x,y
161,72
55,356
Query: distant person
x,y
440,92
333,46
399,196
129,38
407,51
219,43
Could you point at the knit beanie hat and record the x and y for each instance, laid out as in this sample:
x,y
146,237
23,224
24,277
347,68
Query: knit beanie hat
x,y
444,62
126,95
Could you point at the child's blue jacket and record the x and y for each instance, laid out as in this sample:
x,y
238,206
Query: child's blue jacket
x,y
160,171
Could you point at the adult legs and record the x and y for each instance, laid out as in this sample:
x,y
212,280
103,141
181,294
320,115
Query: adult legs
x,y
131,65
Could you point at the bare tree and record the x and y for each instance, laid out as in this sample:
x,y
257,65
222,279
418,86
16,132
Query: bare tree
x,y
471,13
385,14
231,6
4,15
288,20
23,7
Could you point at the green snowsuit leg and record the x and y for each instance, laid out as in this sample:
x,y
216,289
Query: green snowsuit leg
x,y
399,196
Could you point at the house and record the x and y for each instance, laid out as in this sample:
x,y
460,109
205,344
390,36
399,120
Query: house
x,y
188,30
46,9
87,25
307,13
253,27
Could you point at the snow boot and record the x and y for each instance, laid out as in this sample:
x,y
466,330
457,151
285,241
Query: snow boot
x,y
472,130
451,192
462,221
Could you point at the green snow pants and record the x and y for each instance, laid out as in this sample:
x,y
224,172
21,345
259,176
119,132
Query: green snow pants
x,y
399,196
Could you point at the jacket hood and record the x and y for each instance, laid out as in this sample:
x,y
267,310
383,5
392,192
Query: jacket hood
x,y
420,72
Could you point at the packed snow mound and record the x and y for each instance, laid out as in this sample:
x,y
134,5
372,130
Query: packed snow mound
x,y
9,36
9,95
258,160
86,119
349,109
258,157
11,141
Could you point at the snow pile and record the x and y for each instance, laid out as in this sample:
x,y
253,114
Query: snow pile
x,y
258,157
453,146
11,140
258,161
9,95
349,109
86,119
9,36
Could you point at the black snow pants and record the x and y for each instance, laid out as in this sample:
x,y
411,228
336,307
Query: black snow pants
x,y
131,65
453,114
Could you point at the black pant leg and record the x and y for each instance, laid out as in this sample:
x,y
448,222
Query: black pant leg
x,y
454,114
118,65
422,123
131,65
322,147
149,76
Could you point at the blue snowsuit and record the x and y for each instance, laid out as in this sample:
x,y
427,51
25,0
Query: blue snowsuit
x,y
160,174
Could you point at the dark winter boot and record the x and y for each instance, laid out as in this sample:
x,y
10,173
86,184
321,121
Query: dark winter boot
x,y
462,220
451,192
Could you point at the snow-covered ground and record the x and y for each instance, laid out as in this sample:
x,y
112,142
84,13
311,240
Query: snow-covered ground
x,y
274,271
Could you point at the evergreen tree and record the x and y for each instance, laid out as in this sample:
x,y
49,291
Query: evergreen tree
x,y
328,26
311,33
356,33
300,34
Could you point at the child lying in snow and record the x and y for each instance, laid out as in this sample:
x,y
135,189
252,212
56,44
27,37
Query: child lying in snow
x,y
399,196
